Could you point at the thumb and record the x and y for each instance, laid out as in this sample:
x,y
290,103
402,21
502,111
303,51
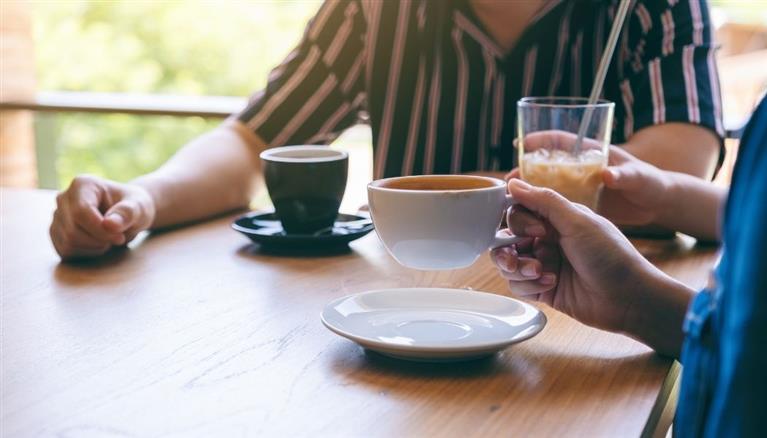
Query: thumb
x,y
622,172
121,216
514,173
562,214
623,177
612,177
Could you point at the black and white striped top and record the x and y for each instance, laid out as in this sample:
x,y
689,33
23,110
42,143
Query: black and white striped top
x,y
441,95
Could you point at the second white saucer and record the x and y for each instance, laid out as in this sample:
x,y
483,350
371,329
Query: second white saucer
x,y
433,324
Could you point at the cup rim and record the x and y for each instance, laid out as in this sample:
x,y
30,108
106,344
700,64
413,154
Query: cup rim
x,y
576,102
378,184
271,154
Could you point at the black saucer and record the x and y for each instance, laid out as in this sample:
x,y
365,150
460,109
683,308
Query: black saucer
x,y
264,228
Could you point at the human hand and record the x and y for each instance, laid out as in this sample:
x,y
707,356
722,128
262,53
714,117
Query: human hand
x,y
551,140
95,214
573,260
635,192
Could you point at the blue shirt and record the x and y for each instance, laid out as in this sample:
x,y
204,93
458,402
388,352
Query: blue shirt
x,y
724,382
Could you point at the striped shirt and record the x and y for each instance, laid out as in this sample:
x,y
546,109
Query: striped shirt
x,y
440,94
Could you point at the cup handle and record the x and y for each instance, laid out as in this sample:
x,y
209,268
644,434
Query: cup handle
x,y
509,202
502,238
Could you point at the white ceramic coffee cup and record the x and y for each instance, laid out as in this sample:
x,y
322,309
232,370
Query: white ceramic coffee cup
x,y
439,229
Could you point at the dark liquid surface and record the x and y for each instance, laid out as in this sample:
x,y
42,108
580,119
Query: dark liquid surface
x,y
438,183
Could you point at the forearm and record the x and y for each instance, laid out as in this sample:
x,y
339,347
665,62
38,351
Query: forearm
x,y
658,313
677,147
212,174
693,206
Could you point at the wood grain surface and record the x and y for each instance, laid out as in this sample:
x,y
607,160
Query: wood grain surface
x,y
195,332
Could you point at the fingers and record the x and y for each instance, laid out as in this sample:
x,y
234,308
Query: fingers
x,y
512,266
551,139
85,189
529,265
541,285
82,202
547,264
563,215
527,269
79,229
534,289
623,177
610,177
72,242
89,218
122,216
514,173
522,222
551,263
505,258
627,172
82,240
76,229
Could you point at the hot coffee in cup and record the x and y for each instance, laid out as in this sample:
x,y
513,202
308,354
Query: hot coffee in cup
x,y
437,222
306,185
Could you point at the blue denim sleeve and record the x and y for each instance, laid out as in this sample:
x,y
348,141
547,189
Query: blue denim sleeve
x,y
724,383
739,403
699,362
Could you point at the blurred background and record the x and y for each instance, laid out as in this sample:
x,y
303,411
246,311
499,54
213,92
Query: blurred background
x,y
118,86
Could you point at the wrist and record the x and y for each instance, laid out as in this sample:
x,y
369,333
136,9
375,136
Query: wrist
x,y
668,194
679,197
657,313
147,195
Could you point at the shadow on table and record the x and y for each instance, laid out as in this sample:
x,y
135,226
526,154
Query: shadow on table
x,y
112,257
555,377
252,250
659,250
361,364
78,272
480,366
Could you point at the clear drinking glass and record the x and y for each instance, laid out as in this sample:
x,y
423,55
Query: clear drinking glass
x,y
547,129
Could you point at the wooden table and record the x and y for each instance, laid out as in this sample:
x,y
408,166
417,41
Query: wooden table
x,y
194,332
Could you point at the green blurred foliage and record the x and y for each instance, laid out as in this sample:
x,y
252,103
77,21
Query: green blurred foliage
x,y
173,47
119,146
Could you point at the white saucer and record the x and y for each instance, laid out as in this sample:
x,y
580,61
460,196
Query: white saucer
x,y
430,324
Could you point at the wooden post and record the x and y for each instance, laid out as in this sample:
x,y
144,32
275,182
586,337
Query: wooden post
x,y
17,82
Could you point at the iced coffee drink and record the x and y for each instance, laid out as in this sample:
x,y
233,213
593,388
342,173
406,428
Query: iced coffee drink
x,y
576,177
550,153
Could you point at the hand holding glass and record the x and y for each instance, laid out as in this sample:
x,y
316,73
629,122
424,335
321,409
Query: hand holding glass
x,y
546,135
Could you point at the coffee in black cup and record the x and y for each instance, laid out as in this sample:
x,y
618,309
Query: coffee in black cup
x,y
306,185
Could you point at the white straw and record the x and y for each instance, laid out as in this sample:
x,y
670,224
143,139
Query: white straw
x,y
604,64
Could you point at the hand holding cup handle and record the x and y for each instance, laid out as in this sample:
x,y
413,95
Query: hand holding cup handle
x,y
504,237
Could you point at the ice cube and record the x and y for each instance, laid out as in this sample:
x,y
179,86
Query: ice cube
x,y
591,155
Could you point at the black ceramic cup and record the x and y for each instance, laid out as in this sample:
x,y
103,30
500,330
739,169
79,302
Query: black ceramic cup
x,y
306,185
